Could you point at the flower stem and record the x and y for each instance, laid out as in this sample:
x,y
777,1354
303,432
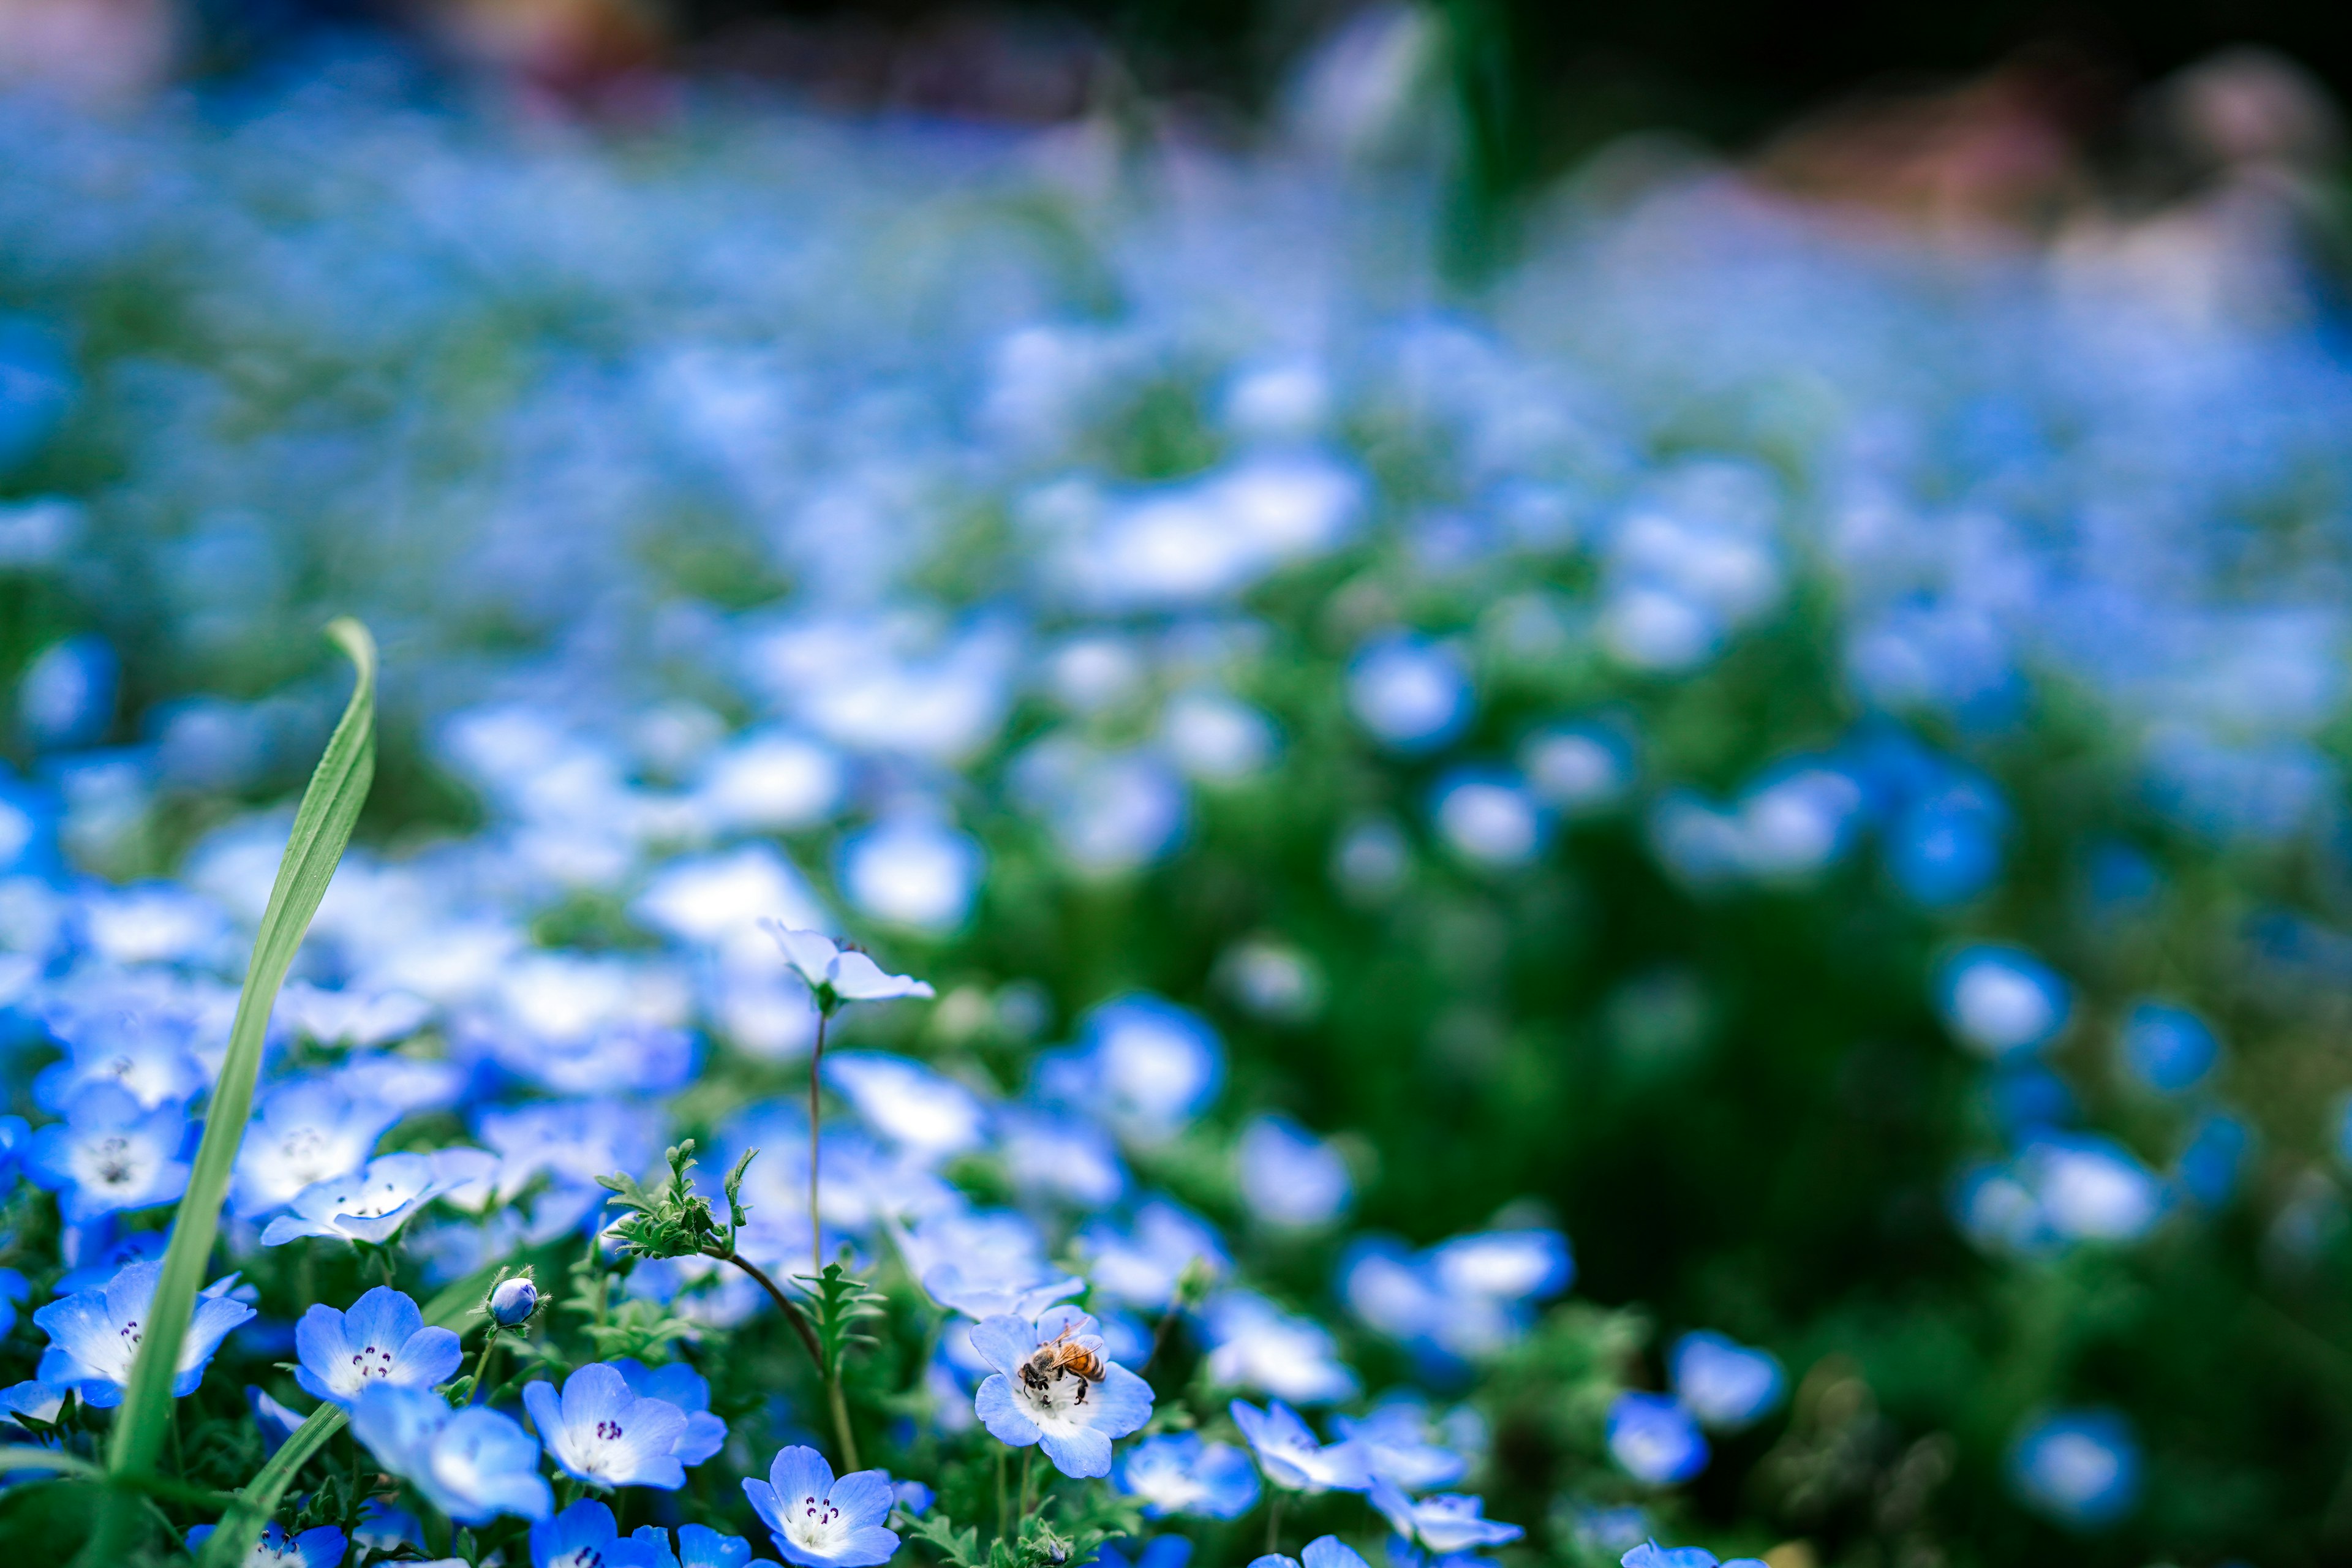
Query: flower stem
x,y
1000,1494
482,1364
1027,1455
1274,1524
816,1229
799,1320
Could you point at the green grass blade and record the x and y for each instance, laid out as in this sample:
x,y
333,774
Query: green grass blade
x,y
19,1456
242,1527
323,825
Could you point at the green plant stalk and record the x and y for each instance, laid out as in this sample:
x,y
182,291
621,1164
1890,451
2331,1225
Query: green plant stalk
x,y
817,1227
799,1320
241,1526
482,1364
322,826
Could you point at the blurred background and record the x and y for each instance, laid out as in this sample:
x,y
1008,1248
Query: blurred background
x,y
1724,631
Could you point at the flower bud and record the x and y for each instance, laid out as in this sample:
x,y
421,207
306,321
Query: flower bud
x,y
514,1300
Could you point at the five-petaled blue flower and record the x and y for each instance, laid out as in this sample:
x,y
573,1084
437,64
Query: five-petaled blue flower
x,y
1447,1524
1043,1399
1323,1552
585,1536
383,1339
473,1464
1292,1457
94,1335
320,1548
1179,1473
602,1432
820,1522
679,1384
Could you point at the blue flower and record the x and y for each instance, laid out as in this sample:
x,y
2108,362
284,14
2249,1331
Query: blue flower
x,y
1180,1473
1142,1265
35,1400
514,1300
679,1384
1146,1064
2213,1159
473,1464
586,1536
381,1339
1487,817
110,1153
2168,1048
1723,1383
1160,1551
602,1432
818,1521
371,1205
1254,1345
275,1420
1394,1440
916,1108
144,1054
1654,1438
2080,1469
839,975
1290,1178
1323,1552
1073,1417
1413,694
1650,1555
1292,1457
94,1335
303,1132
2000,1000
14,1289
699,1546
1447,1524
320,1548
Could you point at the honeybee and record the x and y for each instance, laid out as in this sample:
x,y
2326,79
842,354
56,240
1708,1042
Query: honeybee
x,y
1062,1356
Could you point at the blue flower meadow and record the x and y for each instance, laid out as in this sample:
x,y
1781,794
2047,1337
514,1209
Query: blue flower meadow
x,y
1064,861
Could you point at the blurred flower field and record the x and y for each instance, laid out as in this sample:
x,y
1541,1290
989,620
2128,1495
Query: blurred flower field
x,y
1702,898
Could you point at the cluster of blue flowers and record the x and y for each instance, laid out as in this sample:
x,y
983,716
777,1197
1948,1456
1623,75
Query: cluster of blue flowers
x,y
1246,691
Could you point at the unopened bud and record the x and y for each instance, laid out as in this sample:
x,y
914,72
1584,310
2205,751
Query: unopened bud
x,y
514,1300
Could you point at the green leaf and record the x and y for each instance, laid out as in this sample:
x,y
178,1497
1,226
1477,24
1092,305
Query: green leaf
x,y
960,1547
322,826
24,1456
840,1303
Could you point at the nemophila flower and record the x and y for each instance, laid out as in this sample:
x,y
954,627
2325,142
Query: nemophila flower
x,y
699,1546
604,1433
381,1339
473,1464
1215,739
1146,1065
34,1400
1650,1555
2170,1049
1412,693
1487,818
372,1204
1504,1265
110,1153
2079,1468
320,1548
2091,1188
514,1300
1723,1383
573,1142
1654,1438
14,1289
1579,769
911,871
1323,1552
302,1133
818,1521
356,1017
679,1384
585,1535
913,1498
1182,1473
1159,1551
1292,1457
919,1109
1065,1158
1447,1524
1054,1398
1999,1000
274,1421
1395,1440
836,975
94,1335
2214,1158
1142,1265
145,1053
1946,846
1290,1178
16,1140
1256,1346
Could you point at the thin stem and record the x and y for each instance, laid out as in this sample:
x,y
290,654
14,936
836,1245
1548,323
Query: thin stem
x,y
816,1229
1001,1495
482,1364
1027,1455
799,1320
1274,1524
1159,1339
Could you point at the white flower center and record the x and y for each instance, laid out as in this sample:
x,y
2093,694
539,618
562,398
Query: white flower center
x,y
368,1362
1065,1403
114,1162
814,1525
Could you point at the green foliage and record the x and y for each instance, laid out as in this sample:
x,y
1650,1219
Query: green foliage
x,y
674,1221
323,825
840,1302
